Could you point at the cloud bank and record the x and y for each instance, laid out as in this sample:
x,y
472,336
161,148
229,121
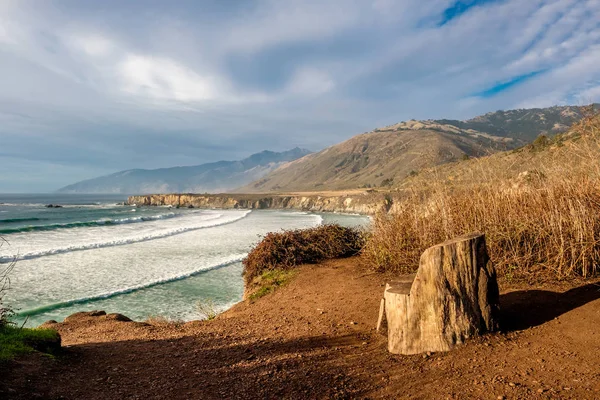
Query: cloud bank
x,y
90,88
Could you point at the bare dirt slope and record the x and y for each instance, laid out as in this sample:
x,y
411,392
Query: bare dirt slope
x,y
315,339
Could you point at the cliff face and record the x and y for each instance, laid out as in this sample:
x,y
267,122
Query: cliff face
x,y
364,203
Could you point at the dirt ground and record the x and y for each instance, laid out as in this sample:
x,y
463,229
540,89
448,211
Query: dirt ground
x,y
316,339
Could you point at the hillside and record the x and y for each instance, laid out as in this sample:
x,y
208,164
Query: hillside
x,y
523,124
570,154
538,207
390,154
212,177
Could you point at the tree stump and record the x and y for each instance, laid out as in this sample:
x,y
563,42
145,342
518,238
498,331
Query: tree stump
x,y
453,296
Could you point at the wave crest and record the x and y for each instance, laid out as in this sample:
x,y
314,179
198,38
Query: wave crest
x,y
120,242
80,224
55,306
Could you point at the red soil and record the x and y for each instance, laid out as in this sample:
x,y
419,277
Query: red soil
x,y
315,338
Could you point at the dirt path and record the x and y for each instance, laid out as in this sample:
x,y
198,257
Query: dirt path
x,y
315,339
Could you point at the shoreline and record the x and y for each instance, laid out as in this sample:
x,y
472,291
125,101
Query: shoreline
x,y
110,299
306,341
359,203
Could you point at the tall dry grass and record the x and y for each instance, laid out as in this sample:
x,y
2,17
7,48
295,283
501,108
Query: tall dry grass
x,y
546,220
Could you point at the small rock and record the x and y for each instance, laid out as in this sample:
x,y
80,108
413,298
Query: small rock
x,y
501,397
353,323
84,314
96,313
118,317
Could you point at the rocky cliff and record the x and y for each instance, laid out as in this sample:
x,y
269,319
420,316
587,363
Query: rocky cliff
x,y
363,203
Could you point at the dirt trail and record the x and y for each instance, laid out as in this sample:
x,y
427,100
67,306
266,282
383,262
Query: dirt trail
x,y
315,339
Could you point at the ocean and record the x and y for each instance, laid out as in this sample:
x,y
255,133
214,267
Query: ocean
x,y
94,253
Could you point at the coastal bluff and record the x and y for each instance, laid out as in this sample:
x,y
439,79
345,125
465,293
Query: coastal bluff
x,y
366,203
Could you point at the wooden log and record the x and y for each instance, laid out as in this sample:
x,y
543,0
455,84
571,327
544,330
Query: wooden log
x,y
403,283
454,296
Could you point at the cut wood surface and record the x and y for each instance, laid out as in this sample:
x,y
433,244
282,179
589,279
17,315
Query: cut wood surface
x,y
453,296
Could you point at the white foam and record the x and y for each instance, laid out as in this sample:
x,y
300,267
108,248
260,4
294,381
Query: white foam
x,y
106,295
156,230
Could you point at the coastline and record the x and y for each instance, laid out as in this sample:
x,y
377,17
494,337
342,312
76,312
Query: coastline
x,y
355,202
306,341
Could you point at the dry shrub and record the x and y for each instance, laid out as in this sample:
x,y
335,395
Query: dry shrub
x,y
6,312
284,250
544,221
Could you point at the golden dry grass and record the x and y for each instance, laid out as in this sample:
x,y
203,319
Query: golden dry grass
x,y
541,220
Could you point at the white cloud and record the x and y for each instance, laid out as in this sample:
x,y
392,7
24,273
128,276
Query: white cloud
x,y
277,22
165,79
310,81
319,70
93,45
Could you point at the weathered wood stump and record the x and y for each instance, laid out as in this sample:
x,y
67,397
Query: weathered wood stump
x,y
453,296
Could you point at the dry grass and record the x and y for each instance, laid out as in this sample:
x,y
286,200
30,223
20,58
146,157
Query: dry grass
x,y
207,308
6,312
284,250
546,220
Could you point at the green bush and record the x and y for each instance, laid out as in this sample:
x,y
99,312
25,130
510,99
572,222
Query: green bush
x,y
15,341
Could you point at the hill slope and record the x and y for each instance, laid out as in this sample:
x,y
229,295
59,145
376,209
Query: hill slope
x,y
212,177
569,155
524,124
387,155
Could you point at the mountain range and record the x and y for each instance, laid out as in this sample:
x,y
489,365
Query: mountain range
x,y
386,156
380,158
219,176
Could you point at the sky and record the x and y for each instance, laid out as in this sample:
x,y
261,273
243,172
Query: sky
x,y
89,87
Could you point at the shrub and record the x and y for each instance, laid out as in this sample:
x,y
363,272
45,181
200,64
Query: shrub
x,y
207,308
284,250
5,312
15,341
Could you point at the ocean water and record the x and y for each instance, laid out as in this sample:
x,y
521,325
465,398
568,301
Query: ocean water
x,y
96,254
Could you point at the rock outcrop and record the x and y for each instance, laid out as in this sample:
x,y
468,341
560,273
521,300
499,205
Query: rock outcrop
x,y
364,203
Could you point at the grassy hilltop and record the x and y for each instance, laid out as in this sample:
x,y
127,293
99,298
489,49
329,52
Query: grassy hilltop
x,y
539,206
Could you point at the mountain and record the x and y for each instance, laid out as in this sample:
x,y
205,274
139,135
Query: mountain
x,y
388,155
569,156
212,177
525,124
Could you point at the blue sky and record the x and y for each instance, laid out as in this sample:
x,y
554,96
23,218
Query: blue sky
x,y
92,87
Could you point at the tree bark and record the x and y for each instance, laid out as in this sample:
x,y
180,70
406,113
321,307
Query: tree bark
x,y
453,296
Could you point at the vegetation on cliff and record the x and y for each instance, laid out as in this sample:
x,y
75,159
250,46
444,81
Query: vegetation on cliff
x,y
284,250
543,220
16,340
